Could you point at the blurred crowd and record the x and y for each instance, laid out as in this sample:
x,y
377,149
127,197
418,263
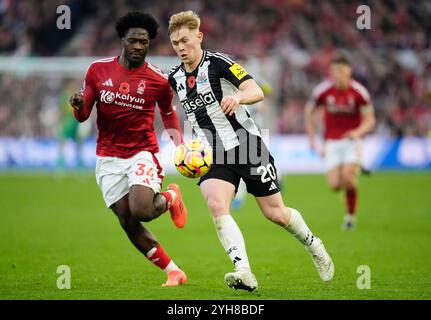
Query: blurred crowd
x,y
392,59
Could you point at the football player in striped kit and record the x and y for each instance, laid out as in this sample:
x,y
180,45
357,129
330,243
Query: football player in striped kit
x,y
213,90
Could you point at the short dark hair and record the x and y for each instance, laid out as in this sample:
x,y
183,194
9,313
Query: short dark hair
x,y
137,19
341,57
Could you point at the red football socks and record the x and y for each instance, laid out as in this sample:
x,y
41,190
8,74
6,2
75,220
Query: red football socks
x,y
158,257
169,199
351,200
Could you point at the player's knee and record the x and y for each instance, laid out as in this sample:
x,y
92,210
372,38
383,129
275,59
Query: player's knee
x,y
159,205
217,207
335,186
350,183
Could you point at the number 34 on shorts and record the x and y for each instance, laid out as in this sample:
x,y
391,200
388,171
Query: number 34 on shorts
x,y
147,172
115,175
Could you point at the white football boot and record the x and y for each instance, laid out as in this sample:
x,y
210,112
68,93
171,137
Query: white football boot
x,y
322,260
349,222
241,279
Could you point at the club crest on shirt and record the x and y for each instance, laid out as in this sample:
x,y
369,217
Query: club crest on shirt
x,y
141,87
202,77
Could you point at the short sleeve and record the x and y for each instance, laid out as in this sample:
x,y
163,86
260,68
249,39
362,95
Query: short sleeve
x,y
318,93
165,98
88,90
231,70
316,97
363,98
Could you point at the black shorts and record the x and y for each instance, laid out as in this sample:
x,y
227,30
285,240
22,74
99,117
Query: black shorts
x,y
259,175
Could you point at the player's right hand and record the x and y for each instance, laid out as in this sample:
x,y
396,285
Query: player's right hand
x,y
313,146
77,100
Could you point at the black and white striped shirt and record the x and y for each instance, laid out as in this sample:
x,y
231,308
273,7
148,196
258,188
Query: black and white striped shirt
x,y
201,93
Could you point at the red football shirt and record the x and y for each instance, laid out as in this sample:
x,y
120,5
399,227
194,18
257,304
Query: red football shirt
x,y
342,108
125,101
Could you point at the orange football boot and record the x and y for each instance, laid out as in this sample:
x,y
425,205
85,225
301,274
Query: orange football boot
x,y
178,209
175,278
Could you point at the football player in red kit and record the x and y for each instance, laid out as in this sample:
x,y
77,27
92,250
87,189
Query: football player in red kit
x,y
348,116
125,90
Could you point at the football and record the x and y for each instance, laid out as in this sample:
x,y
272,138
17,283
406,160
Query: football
x,y
193,158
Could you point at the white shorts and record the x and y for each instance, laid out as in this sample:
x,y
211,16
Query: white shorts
x,y
339,152
116,175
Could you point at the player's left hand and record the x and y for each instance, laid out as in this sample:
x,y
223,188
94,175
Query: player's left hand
x,y
229,104
352,134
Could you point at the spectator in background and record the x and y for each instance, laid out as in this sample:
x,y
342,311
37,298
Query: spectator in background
x,y
390,58
69,128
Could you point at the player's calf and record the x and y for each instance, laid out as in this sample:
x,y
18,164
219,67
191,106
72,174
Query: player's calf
x,y
280,215
140,237
144,212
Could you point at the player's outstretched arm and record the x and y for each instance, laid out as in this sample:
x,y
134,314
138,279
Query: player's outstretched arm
x,y
249,93
171,123
170,119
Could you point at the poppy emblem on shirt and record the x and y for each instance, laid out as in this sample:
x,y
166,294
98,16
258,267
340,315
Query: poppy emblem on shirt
x,y
191,81
124,88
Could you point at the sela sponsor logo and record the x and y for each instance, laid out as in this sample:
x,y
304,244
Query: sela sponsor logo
x,y
201,100
127,99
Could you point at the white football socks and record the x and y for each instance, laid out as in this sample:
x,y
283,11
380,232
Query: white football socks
x,y
299,229
232,240
173,194
171,266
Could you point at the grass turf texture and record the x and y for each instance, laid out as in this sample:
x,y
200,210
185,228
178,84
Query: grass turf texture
x,y
49,221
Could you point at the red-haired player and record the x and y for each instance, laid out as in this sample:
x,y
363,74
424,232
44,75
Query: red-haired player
x,y
348,116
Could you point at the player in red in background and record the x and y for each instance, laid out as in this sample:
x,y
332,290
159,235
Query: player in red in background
x,y
128,172
348,116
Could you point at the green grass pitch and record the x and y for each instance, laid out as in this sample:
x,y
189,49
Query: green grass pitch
x,y
48,221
